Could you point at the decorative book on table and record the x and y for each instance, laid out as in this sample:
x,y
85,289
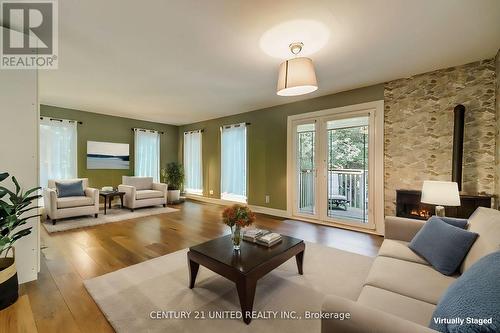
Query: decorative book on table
x,y
269,239
251,235
261,237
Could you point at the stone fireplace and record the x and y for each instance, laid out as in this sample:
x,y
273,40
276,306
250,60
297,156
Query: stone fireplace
x,y
418,135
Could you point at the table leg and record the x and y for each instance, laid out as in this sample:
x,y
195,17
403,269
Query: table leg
x,y
121,201
105,204
300,260
246,293
110,199
193,271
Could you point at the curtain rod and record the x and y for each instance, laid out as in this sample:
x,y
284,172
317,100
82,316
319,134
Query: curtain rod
x,y
61,120
146,130
194,131
236,125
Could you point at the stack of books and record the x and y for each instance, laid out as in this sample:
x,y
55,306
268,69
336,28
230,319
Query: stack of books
x,y
251,235
269,239
261,237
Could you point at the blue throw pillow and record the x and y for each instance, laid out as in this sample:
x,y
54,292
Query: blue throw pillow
x,y
70,189
442,245
460,223
474,298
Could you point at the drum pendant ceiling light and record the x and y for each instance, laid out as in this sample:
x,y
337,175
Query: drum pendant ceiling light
x,y
296,75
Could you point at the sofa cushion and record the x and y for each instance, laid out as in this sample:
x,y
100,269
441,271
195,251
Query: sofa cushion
x,y
476,294
456,222
69,189
52,182
140,183
399,250
68,202
444,246
485,222
402,306
148,194
407,278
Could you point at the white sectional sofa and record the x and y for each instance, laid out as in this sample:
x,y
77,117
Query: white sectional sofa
x,y
402,289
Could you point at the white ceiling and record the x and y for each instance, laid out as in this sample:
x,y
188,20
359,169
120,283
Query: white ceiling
x,y
184,61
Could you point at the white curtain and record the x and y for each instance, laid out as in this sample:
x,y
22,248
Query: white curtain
x,y
58,145
147,154
234,162
193,162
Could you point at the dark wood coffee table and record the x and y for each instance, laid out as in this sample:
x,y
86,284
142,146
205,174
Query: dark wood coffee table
x,y
244,267
108,197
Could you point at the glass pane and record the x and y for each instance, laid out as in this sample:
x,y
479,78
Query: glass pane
x,y
347,179
306,168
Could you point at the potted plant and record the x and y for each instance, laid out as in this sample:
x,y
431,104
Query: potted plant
x,y
173,175
13,208
237,217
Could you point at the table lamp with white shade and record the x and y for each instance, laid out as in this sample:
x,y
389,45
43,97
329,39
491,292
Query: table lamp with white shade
x,y
440,194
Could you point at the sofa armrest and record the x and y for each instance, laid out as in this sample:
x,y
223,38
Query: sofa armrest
x,y
50,201
92,193
400,228
160,187
128,189
364,319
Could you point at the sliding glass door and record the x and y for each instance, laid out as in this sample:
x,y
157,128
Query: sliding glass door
x,y
332,166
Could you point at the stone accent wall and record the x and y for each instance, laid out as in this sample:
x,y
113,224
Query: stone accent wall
x,y
419,129
498,129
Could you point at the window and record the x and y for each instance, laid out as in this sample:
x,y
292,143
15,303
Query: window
x,y
147,154
192,162
234,162
57,149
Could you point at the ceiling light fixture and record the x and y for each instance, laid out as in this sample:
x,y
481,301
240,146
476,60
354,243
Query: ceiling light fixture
x,y
296,75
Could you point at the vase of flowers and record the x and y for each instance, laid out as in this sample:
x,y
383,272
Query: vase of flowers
x,y
237,217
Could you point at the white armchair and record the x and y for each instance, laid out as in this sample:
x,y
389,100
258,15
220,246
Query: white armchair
x,y
58,208
142,192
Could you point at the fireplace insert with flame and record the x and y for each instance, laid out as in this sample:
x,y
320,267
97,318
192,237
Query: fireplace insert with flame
x,y
408,205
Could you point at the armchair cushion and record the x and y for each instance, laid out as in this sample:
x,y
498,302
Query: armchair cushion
x,y
70,189
148,194
140,183
78,201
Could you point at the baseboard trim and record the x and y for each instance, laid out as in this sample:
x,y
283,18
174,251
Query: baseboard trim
x,y
269,211
255,208
281,213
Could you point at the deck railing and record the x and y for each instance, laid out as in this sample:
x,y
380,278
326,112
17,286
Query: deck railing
x,y
349,183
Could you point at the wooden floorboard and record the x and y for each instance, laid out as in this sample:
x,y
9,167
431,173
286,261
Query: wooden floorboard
x,y
59,300
18,318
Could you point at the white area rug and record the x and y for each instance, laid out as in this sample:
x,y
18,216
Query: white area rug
x,y
128,296
114,214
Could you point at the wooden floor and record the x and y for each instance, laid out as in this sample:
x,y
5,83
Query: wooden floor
x,y
58,298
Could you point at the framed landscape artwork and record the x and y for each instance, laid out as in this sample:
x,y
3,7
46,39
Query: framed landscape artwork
x,y
107,155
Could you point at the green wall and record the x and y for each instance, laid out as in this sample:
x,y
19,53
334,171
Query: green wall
x,y
98,127
266,143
